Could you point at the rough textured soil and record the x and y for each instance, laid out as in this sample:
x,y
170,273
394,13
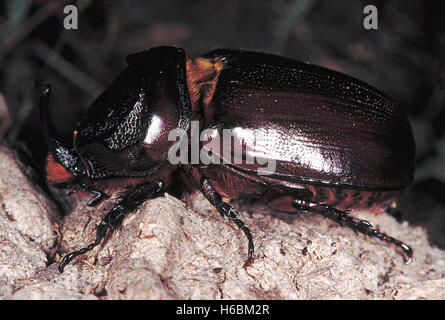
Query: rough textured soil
x,y
182,249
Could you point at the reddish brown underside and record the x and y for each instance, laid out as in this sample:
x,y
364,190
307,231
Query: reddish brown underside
x,y
279,195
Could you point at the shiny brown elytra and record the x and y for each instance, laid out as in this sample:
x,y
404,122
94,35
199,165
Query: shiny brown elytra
x,y
338,144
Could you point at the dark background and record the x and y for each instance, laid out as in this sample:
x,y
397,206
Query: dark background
x,y
405,58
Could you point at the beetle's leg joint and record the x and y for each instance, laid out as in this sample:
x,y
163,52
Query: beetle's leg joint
x,y
98,197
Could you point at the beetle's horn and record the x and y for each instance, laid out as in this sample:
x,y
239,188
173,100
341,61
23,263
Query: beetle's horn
x,y
63,155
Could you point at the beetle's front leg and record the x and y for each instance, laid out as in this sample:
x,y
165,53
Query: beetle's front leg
x,y
98,197
356,224
113,219
224,209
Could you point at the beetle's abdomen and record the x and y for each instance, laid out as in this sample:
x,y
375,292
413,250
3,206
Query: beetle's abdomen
x,y
339,198
352,199
278,194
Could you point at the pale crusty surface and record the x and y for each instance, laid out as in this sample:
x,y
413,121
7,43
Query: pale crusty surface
x,y
183,249
28,229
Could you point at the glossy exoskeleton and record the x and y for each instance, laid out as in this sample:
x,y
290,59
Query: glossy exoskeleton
x,y
338,144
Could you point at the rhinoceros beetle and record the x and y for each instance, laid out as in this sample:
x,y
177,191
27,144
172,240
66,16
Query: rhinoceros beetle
x,y
338,144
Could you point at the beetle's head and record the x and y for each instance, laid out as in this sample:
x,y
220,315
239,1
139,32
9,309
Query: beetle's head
x,y
125,131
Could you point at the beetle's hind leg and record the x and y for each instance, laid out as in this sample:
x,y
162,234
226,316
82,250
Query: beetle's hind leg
x,y
113,219
356,224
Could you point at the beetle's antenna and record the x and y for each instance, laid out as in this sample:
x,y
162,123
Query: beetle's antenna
x,y
85,164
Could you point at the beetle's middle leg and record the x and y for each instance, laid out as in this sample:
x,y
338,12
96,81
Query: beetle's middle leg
x,y
114,218
227,210
224,209
356,224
